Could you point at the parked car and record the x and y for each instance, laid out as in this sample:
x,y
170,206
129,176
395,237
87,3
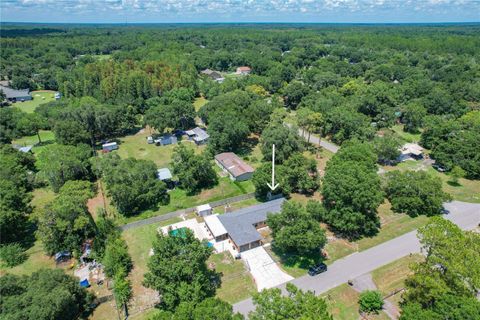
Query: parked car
x,y
149,140
317,269
439,168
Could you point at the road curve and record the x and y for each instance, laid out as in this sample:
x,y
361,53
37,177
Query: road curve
x,y
465,215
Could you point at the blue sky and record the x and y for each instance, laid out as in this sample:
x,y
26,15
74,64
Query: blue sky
x,y
162,11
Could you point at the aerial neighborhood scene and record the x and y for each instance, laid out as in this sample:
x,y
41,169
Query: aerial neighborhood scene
x,y
229,160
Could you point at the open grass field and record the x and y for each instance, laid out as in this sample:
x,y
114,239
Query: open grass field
x,y
136,146
466,190
199,102
39,97
405,136
46,136
237,283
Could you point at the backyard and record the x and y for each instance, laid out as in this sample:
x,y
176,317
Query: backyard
x,y
39,97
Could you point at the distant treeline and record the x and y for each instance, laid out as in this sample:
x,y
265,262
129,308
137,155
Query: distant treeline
x,y
12,33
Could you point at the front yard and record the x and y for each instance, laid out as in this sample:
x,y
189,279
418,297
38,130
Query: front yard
x,y
343,300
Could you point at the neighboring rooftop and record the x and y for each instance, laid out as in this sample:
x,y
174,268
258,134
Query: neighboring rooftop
x,y
233,164
412,148
24,149
14,93
240,223
164,174
198,134
243,69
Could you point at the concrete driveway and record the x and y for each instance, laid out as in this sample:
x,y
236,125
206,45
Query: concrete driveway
x,y
264,270
465,215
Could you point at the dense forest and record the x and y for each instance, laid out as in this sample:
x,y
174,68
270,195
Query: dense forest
x,y
348,84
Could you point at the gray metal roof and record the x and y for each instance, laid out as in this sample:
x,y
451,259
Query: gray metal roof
x,y
239,223
13,93
164,174
200,134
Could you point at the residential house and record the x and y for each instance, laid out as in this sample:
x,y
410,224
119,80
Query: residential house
x,y
236,168
242,225
243,70
14,95
411,151
198,135
214,75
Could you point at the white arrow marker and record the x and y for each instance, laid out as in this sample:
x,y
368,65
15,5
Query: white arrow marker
x,y
273,186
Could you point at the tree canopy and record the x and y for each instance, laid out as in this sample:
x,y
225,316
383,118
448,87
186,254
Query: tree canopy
x,y
45,295
178,270
271,304
445,284
294,230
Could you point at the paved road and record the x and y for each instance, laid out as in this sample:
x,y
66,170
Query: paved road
x,y
316,140
465,215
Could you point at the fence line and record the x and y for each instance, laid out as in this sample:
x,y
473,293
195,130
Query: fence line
x,y
180,212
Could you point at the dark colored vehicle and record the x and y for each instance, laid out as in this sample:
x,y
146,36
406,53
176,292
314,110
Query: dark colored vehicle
x,y
317,269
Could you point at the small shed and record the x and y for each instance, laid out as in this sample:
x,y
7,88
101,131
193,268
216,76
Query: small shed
x,y
166,140
107,147
204,210
164,174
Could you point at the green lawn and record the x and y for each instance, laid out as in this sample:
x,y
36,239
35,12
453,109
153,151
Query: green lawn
x,y
405,136
467,190
136,146
237,283
393,225
180,200
199,102
46,136
39,97
392,276
36,260
342,302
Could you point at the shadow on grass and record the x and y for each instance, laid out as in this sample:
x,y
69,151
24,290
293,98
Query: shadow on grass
x,y
291,260
454,184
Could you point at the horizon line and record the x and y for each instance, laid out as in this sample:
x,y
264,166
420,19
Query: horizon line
x,y
237,22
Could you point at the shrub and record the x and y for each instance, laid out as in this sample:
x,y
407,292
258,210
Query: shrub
x,y
370,301
12,255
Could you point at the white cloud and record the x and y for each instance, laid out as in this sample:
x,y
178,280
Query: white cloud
x,y
239,7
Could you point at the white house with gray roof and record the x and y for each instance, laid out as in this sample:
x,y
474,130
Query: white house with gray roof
x,y
241,226
15,95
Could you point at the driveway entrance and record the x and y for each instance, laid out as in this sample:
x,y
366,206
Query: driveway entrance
x,y
264,270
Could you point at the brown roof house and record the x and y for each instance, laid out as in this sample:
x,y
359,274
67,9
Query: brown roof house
x,y
243,70
236,168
